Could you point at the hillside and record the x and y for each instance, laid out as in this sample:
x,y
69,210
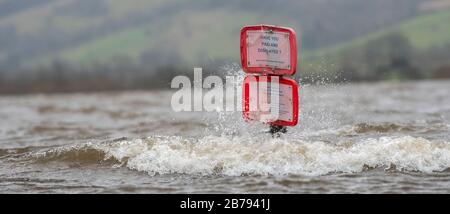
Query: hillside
x,y
424,41
159,32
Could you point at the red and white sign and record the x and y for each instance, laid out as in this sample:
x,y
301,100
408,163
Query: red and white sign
x,y
270,99
267,49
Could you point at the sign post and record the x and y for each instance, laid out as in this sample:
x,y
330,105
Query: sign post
x,y
267,53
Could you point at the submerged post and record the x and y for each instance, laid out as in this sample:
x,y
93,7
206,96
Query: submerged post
x,y
276,130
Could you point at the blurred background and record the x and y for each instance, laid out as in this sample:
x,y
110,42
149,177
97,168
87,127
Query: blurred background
x,y
92,45
122,136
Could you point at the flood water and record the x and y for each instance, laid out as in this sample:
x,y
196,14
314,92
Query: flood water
x,y
352,138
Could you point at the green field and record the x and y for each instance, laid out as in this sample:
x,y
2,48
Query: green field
x,y
197,38
424,32
193,32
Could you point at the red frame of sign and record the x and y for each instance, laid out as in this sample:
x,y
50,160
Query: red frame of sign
x,y
266,69
283,80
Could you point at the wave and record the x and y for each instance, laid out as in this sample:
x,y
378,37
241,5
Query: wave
x,y
237,156
382,128
366,129
363,128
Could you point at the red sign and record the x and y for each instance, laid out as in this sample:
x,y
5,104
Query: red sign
x,y
270,99
267,49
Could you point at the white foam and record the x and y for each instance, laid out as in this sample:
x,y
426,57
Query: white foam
x,y
239,156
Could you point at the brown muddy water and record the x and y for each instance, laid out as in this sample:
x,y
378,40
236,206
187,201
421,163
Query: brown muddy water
x,y
351,138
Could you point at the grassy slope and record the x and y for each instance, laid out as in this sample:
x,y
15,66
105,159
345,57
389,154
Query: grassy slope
x,y
186,29
33,19
184,32
424,32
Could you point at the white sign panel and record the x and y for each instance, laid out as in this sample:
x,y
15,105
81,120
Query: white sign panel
x,y
268,49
